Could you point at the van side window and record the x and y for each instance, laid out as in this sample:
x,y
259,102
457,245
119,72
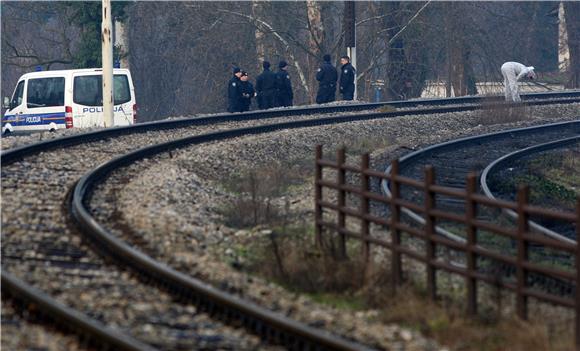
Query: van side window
x,y
18,94
45,92
88,90
121,91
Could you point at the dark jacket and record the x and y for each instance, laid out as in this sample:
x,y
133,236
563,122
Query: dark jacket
x,y
234,95
326,77
284,94
266,88
347,73
247,90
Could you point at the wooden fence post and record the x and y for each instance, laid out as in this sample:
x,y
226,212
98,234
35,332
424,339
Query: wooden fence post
x,y
577,307
364,210
318,198
396,264
523,227
430,232
340,159
471,216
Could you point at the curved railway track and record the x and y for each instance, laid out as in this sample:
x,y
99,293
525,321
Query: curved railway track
x,y
491,176
455,159
38,244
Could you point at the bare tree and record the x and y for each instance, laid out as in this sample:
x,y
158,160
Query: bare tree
x,y
34,34
181,53
258,14
572,13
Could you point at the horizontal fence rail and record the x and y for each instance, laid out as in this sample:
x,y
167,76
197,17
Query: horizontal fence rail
x,y
336,181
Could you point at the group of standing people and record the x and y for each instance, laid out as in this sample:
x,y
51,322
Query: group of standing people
x,y
275,89
271,90
327,76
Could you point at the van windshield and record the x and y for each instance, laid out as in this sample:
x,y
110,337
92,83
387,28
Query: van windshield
x,y
88,90
17,97
45,92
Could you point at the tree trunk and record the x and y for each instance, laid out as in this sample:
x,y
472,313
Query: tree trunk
x,y
121,43
563,48
257,12
449,40
315,25
460,73
315,42
572,14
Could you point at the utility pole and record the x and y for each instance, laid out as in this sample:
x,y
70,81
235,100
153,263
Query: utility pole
x,y
350,36
107,51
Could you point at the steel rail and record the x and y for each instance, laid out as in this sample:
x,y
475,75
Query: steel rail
x,y
19,152
406,160
248,314
506,159
107,337
15,154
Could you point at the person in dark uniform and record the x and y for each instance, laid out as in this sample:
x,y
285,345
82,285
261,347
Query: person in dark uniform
x,y
284,95
266,87
234,91
247,90
347,74
326,77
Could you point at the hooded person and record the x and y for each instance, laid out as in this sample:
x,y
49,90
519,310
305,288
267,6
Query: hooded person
x,y
326,77
266,87
234,91
513,72
284,94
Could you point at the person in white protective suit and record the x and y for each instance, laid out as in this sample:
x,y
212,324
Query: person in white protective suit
x,y
512,72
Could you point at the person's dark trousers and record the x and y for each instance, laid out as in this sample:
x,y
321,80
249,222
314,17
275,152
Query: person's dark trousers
x,y
326,93
348,95
267,101
284,101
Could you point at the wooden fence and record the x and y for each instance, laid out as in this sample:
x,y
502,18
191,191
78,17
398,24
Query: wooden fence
x,y
519,235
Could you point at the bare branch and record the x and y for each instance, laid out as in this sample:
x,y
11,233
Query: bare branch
x,y
263,24
408,23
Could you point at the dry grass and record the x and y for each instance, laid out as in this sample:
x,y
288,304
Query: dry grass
x,y
498,113
448,324
288,256
257,196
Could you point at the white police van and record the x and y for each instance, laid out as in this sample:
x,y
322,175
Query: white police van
x,y
51,100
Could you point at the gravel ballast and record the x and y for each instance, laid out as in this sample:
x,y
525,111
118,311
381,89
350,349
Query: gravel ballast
x,y
177,219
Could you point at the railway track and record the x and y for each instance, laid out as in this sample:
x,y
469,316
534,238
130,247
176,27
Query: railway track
x,y
39,242
455,159
503,166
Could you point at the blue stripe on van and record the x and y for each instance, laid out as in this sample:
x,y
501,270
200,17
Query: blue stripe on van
x,y
34,119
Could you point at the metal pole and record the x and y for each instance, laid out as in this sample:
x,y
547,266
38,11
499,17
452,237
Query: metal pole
x,y
107,51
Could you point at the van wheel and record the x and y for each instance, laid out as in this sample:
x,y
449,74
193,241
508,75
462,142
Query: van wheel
x,y
52,130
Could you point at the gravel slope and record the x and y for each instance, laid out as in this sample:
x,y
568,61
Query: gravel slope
x,y
177,219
